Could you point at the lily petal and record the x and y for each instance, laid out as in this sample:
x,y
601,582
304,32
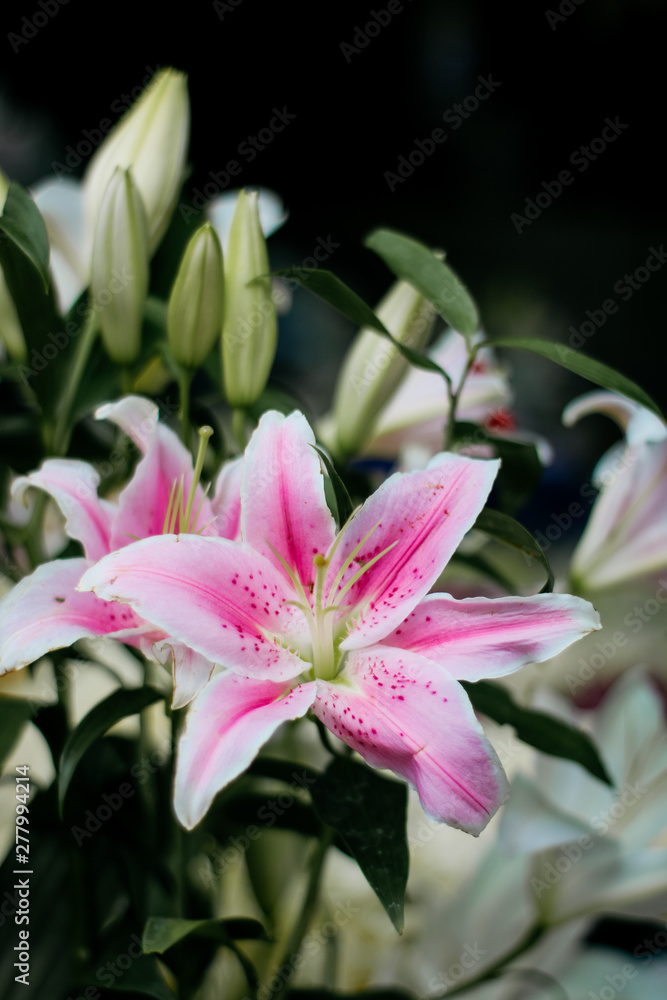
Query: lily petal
x,y
226,501
216,596
190,670
400,712
135,415
45,611
226,727
428,512
483,637
73,486
282,497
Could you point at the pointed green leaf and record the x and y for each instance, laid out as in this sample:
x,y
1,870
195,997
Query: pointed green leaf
x,y
581,364
22,224
14,713
339,295
162,933
343,500
414,262
520,469
512,533
117,706
369,813
539,730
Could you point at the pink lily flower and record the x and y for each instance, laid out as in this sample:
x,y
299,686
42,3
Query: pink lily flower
x,y
340,624
45,611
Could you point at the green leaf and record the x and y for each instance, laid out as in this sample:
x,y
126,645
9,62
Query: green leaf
x,y
512,533
539,730
162,933
369,812
117,706
581,364
520,471
22,224
144,977
344,503
414,262
14,713
339,295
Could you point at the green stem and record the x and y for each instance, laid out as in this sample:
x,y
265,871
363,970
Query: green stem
x,y
180,855
295,941
184,383
526,943
31,535
238,426
454,398
62,431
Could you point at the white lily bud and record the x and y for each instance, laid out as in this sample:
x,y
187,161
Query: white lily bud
x,y
250,327
152,139
119,278
374,367
194,317
11,332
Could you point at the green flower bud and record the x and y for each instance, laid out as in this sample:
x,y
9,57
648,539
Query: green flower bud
x,y
119,278
11,332
250,327
152,139
194,317
374,368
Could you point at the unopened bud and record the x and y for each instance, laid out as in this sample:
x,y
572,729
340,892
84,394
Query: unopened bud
x,y
119,279
250,328
152,140
194,317
374,367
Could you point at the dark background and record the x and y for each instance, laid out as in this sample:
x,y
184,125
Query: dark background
x,y
561,75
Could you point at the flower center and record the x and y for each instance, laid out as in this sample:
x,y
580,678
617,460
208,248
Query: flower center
x,y
326,630
180,518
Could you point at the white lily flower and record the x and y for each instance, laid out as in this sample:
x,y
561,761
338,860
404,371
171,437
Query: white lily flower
x,y
626,534
595,848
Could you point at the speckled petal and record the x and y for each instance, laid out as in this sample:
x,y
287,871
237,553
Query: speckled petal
x,y
424,515
479,637
226,727
216,596
283,503
401,712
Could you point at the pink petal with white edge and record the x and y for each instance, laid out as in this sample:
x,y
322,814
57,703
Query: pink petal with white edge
x,y
401,712
426,513
226,501
73,486
283,503
226,727
135,415
190,670
482,637
144,502
45,612
219,597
